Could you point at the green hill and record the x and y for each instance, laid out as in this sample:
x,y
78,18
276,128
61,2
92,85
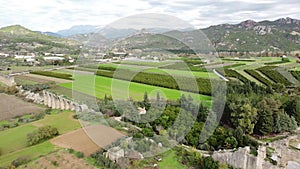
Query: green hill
x,y
17,38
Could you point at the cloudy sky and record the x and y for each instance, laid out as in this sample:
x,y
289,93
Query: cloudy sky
x,y
53,15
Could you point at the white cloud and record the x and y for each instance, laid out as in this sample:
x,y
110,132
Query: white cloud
x,y
53,15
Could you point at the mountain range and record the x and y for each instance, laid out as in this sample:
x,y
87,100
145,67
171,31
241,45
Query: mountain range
x,y
264,36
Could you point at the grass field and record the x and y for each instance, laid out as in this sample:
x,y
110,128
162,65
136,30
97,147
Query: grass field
x,y
170,161
99,86
14,139
13,142
64,122
33,152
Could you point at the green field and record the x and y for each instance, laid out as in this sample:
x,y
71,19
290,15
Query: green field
x,y
153,69
13,141
64,122
170,161
32,152
99,86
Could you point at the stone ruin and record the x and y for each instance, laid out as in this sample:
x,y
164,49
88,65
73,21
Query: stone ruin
x,y
241,157
52,100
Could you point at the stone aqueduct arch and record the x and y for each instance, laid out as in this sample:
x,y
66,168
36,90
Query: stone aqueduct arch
x,y
59,102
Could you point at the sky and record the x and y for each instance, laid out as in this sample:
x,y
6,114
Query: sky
x,y
54,15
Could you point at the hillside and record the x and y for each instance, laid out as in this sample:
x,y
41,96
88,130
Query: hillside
x,y
282,35
18,38
279,35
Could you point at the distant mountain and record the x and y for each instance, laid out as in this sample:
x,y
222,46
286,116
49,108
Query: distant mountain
x,y
268,36
18,38
50,34
79,29
115,33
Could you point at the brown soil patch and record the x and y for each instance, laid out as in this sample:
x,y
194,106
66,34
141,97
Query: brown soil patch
x,y
12,106
88,140
61,159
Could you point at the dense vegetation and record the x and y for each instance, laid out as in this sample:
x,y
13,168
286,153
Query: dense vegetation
x,y
258,77
274,75
234,74
296,74
42,134
161,80
53,74
284,60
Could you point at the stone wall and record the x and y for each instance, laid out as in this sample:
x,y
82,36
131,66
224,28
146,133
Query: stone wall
x,y
241,157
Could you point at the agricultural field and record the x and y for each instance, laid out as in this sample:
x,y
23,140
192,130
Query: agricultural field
x,y
59,159
88,139
13,141
99,86
12,106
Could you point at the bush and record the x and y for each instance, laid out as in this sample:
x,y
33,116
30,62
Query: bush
x,y
79,154
20,161
42,134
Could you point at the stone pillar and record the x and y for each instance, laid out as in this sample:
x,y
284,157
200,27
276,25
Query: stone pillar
x,y
45,98
53,101
62,102
72,106
49,99
67,104
57,104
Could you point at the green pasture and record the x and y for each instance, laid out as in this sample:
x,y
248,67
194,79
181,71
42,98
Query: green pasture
x,y
99,86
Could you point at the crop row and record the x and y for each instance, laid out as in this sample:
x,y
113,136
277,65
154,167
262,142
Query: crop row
x,y
296,74
274,75
258,77
235,74
53,74
203,86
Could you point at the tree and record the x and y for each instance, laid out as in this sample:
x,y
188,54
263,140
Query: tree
x,y
238,134
208,162
285,123
244,117
268,110
230,142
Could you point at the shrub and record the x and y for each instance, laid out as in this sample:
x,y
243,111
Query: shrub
x,y
42,134
20,161
79,154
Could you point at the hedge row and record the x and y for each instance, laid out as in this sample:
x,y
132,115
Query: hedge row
x,y
296,74
161,80
278,62
235,74
258,77
274,75
53,74
184,66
